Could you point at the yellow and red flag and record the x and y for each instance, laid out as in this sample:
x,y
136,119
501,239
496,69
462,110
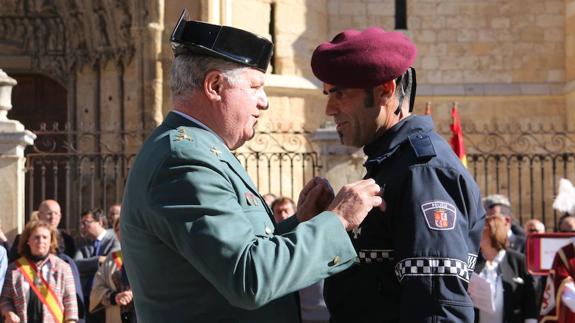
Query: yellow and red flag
x,y
457,136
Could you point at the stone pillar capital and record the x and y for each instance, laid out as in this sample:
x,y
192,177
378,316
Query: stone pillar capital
x,y
6,85
13,143
13,140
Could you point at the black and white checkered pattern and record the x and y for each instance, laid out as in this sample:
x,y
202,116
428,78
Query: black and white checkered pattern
x,y
369,256
432,267
471,261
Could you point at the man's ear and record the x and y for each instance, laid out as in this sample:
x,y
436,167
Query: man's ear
x,y
385,91
388,87
213,85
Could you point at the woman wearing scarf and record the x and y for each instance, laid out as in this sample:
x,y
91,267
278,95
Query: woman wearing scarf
x,y
39,286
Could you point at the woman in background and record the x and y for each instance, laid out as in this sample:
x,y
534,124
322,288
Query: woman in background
x,y
39,286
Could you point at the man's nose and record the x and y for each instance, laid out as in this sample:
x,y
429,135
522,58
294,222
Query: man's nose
x,y
263,102
331,108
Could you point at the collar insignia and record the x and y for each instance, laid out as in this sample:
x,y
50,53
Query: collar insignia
x,y
215,151
182,135
251,199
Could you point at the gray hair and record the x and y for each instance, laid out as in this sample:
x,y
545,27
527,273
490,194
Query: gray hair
x,y
189,71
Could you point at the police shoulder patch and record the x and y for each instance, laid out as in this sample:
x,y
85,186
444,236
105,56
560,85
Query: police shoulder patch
x,y
439,215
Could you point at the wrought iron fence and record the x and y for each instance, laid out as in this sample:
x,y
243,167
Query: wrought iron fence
x,y
524,163
530,181
280,162
59,167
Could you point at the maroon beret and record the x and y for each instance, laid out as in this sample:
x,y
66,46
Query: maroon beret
x,y
362,59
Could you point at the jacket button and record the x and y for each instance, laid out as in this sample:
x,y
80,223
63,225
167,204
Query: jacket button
x,y
268,230
336,260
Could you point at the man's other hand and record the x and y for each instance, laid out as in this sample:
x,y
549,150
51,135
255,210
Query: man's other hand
x,y
314,198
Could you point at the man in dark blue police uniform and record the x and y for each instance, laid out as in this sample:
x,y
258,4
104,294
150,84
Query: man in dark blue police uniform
x,y
417,253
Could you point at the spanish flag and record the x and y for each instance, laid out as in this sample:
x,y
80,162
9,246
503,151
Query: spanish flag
x,y
457,136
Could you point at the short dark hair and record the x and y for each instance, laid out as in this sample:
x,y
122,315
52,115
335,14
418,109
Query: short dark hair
x,y
281,201
97,213
503,209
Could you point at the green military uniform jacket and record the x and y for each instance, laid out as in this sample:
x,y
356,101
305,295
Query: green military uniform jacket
x,y
200,244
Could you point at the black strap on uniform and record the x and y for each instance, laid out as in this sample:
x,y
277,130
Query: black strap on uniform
x,y
402,82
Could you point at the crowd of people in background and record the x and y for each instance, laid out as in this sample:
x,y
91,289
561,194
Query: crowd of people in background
x,y
48,276
516,295
87,276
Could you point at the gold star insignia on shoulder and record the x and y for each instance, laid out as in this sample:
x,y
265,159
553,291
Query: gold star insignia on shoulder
x,y
215,151
182,135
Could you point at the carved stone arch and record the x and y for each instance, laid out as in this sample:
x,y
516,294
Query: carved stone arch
x,y
105,54
60,36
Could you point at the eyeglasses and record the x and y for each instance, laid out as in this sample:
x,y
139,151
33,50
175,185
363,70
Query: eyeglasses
x,y
86,222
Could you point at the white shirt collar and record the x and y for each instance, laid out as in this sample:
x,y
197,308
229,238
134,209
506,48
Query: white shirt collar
x,y
492,265
199,123
101,235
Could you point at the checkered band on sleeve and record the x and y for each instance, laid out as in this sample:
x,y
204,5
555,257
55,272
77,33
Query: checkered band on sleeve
x,y
471,261
432,267
369,256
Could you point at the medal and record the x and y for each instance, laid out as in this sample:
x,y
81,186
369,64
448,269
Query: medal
x,y
37,280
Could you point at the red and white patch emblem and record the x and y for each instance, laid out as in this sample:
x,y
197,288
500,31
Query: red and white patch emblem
x,y
439,215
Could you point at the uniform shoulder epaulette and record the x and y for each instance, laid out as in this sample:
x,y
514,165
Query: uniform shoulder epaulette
x,y
422,145
181,135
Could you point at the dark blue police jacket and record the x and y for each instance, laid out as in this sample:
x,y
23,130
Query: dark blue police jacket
x,y
415,259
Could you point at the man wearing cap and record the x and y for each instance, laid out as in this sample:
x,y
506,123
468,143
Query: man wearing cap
x,y
199,242
415,258
499,205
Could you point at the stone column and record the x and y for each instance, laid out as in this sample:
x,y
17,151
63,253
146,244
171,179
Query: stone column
x,y
340,164
13,139
569,68
148,63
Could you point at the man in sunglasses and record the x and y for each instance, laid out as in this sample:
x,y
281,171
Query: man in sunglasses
x,y
200,244
415,258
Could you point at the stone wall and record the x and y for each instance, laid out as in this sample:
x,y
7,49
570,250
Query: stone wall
x,y
491,41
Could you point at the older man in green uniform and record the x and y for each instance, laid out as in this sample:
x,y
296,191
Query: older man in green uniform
x,y
200,243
